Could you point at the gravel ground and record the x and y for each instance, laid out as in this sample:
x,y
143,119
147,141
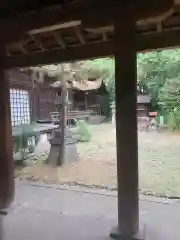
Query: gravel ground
x,y
159,163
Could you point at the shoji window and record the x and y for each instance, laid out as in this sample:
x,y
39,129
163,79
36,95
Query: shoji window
x,y
20,111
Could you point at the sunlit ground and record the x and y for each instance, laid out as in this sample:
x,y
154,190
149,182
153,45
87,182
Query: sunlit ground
x,y
159,163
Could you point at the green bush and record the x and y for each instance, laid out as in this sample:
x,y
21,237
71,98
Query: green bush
x,y
82,131
174,120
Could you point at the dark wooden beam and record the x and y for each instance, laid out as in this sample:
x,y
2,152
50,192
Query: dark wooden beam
x,y
38,42
7,51
86,11
59,39
23,49
146,42
105,36
79,35
158,40
87,51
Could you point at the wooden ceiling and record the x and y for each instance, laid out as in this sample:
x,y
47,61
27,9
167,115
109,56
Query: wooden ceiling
x,y
59,36
9,8
74,32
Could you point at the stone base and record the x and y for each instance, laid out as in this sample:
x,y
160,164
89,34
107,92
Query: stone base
x,y
71,154
117,235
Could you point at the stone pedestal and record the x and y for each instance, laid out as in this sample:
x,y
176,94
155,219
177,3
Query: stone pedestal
x,y
71,154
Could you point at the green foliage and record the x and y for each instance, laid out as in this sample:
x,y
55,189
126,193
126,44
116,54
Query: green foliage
x,y
169,98
159,74
153,70
151,74
169,94
174,120
82,131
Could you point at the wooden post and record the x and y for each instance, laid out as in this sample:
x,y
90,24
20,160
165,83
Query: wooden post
x,y
126,130
6,159
35,103
86,101
63,122
34,97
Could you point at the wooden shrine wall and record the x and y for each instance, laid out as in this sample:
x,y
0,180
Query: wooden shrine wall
x,y
41,97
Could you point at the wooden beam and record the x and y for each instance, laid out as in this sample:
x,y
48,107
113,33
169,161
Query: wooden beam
x,y
35,39
157,19
87,51
86,11
55,27
158,40
7,51
105,36
23,49
145,42
59,39
159,27
80,35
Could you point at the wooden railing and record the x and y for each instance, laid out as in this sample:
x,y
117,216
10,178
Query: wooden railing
x,y
72,115
95,109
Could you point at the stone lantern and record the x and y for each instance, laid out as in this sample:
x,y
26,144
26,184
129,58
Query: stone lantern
x,y
63,146
70,153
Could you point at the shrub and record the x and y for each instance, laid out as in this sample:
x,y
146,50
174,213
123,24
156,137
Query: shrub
x,y
174,120
83,131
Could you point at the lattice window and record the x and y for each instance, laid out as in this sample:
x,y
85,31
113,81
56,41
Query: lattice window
x,y
20,112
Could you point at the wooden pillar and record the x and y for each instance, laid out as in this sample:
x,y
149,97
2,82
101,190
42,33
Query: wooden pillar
x,y
63,122
6,160
34,102
126,130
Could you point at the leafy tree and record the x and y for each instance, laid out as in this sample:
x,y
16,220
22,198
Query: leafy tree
x,y
169,98
169,94
152,74
155,68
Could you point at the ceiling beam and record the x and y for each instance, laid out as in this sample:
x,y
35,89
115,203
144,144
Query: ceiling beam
x,y
23,49
105,36
87,51
145,42
87,12
37,41
158,40
79,35
59,39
